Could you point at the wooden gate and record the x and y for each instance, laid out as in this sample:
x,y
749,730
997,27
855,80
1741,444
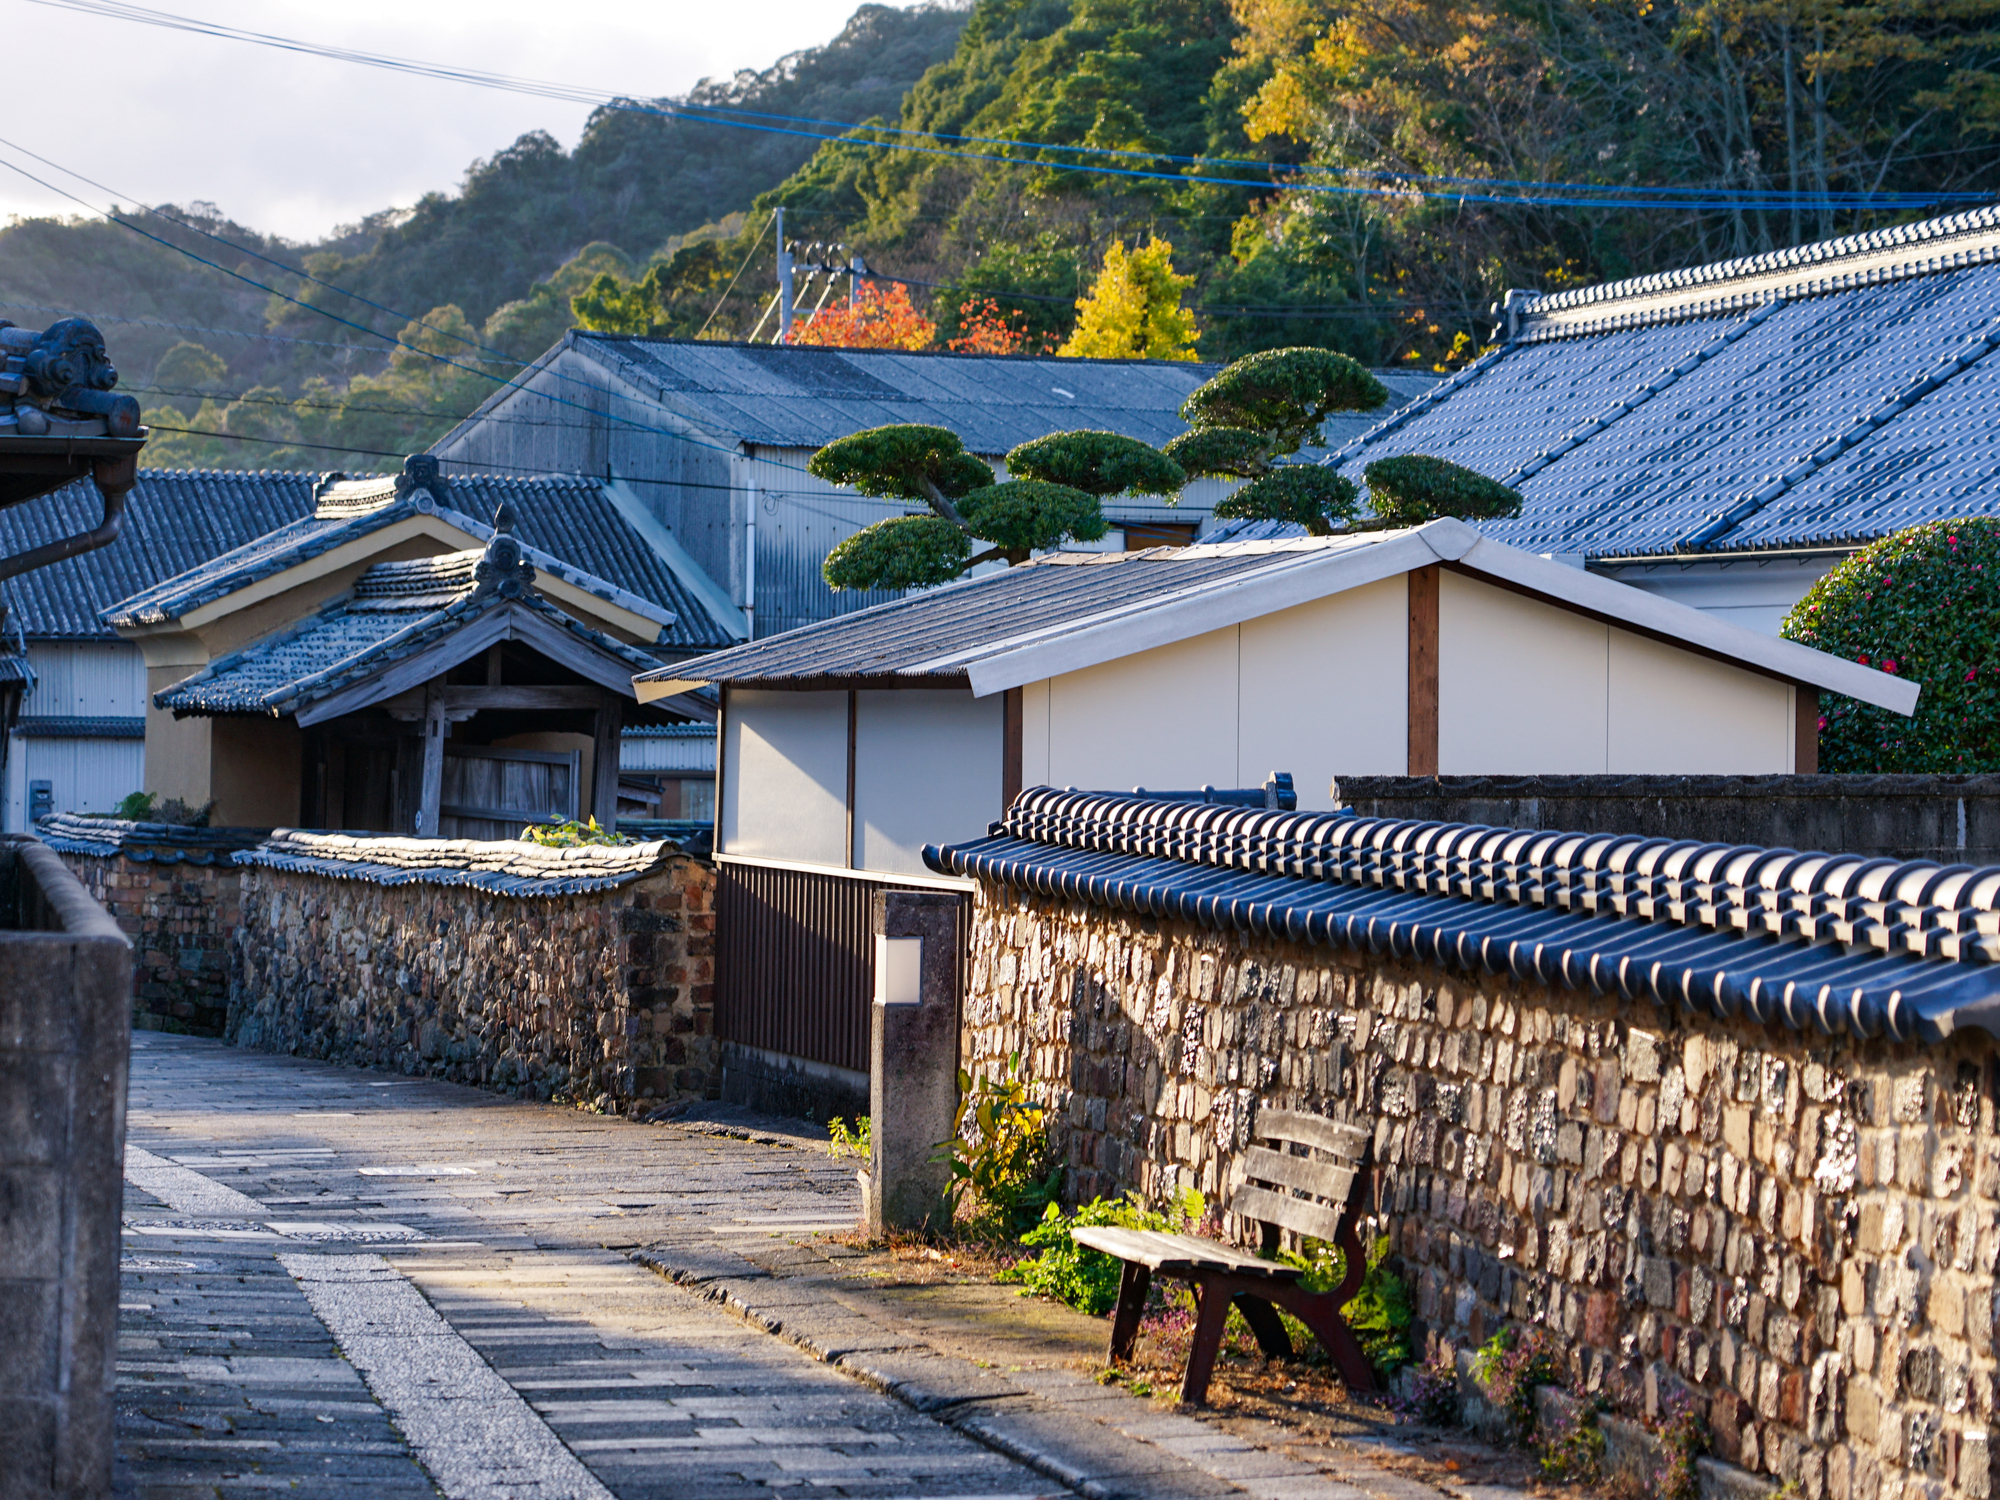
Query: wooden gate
x,y
795,957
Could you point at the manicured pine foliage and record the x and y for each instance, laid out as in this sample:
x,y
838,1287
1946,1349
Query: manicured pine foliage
x,y
1922,604
1055,498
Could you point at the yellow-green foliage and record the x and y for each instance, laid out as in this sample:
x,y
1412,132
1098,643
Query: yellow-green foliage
x,y
1134,309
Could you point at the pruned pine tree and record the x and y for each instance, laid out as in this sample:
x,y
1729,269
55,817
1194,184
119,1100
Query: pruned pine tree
x,y
1054,497
1265,407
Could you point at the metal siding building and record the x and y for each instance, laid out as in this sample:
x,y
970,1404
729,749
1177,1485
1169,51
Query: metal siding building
x,y
714,439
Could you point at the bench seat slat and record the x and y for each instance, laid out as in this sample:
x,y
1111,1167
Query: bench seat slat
x,y
1312,1220
1178,1252
1349,1142
1319,1178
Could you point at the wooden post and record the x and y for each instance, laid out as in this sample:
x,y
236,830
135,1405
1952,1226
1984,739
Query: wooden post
x,y
1423,741
1805,729
436,726
604,761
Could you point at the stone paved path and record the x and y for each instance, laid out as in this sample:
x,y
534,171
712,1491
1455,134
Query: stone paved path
x,y
340,1283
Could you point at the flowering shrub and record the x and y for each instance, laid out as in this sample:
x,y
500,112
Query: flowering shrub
x,y
1921,604
1510,1365
1684,1436
1430,1395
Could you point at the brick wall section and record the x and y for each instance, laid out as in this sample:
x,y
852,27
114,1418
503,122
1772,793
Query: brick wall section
x,y
1802,1231
179,918
605,997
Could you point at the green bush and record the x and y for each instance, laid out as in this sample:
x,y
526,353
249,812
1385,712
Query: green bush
x,y
1381,1312
999,1154
1510,1365
1923,604
1088,1279
1098,463
900,461
1415,488
571,835
1318,499
1022,516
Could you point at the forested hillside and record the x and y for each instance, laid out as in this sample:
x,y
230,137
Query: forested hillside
x,y
1368,176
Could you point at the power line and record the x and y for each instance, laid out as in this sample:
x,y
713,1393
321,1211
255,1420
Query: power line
x,y
1396,185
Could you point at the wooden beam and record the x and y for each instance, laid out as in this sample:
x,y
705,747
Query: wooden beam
x,y
493,675
464,701
1423,735
432,796
604,760
1010,748
1805,730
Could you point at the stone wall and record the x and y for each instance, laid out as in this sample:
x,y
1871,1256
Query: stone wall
x,y
1950,819
1800,1231
179,917
602,996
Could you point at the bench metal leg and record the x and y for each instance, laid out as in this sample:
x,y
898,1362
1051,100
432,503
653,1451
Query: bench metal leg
x,y
1320,1311
1264,1322
1212,1299
1133,1285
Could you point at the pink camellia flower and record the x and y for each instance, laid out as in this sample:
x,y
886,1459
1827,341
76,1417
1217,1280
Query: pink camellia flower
x,y
1862,659
1889,664
1970,673
1822,721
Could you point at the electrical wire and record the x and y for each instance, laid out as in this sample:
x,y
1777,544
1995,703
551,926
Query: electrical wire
x,y
1396,185
756,242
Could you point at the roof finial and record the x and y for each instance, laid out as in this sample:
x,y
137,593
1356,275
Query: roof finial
x,y
503,516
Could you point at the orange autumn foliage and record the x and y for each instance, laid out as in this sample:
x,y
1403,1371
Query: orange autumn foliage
x,y
882,318
983,328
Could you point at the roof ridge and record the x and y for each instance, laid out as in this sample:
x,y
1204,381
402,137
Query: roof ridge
x,y
1929,247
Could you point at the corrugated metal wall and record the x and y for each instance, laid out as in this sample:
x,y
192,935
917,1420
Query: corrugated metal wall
x,y
78,679
795,960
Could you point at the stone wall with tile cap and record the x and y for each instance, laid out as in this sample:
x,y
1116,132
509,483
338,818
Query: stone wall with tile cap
x,y
1798,1231
600,996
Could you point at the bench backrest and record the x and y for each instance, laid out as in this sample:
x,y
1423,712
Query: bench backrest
x,y
1304,1178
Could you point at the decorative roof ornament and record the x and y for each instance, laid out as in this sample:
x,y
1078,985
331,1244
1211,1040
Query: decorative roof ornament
x,y
504,570
421,472
57,383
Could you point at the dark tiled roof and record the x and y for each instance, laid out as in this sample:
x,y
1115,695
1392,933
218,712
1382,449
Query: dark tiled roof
x,y
160,843
506,867
571,526
395,610
176,519
1819,396
803,397
79,727
1828,943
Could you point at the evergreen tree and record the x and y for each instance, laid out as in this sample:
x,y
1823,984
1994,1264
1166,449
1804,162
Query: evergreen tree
x,y
1134,310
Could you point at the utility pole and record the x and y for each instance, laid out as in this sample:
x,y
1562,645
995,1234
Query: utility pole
x,y
784,283
856,269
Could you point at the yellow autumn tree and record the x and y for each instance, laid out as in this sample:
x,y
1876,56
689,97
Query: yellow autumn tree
x,y
1134,310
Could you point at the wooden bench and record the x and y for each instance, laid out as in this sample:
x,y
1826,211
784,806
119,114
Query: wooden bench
x,y
1308,1179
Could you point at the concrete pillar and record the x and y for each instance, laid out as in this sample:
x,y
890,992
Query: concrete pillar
x,y
912,1057
65,1043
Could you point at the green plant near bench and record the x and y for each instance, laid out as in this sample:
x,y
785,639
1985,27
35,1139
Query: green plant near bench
x,y
1088,1279
1379,1315
1002,1178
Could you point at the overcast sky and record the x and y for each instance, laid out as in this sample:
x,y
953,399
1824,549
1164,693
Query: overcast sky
x,y
294,145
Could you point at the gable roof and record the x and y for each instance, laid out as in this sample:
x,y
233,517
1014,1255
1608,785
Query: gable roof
x,y
395,611
180,521
1816,397
786,396
1073,610
601,551
1821,943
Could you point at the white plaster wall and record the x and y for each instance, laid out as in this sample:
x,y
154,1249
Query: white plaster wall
x,y
1325,691
784,780
1522,685
1678,713
927,768
1163,718
1525,688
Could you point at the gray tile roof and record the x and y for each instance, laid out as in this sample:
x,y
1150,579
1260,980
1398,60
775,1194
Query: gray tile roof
x,y
1820,943
395,610
183,523
507,867
176,519
1820,396
802,398
160,843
